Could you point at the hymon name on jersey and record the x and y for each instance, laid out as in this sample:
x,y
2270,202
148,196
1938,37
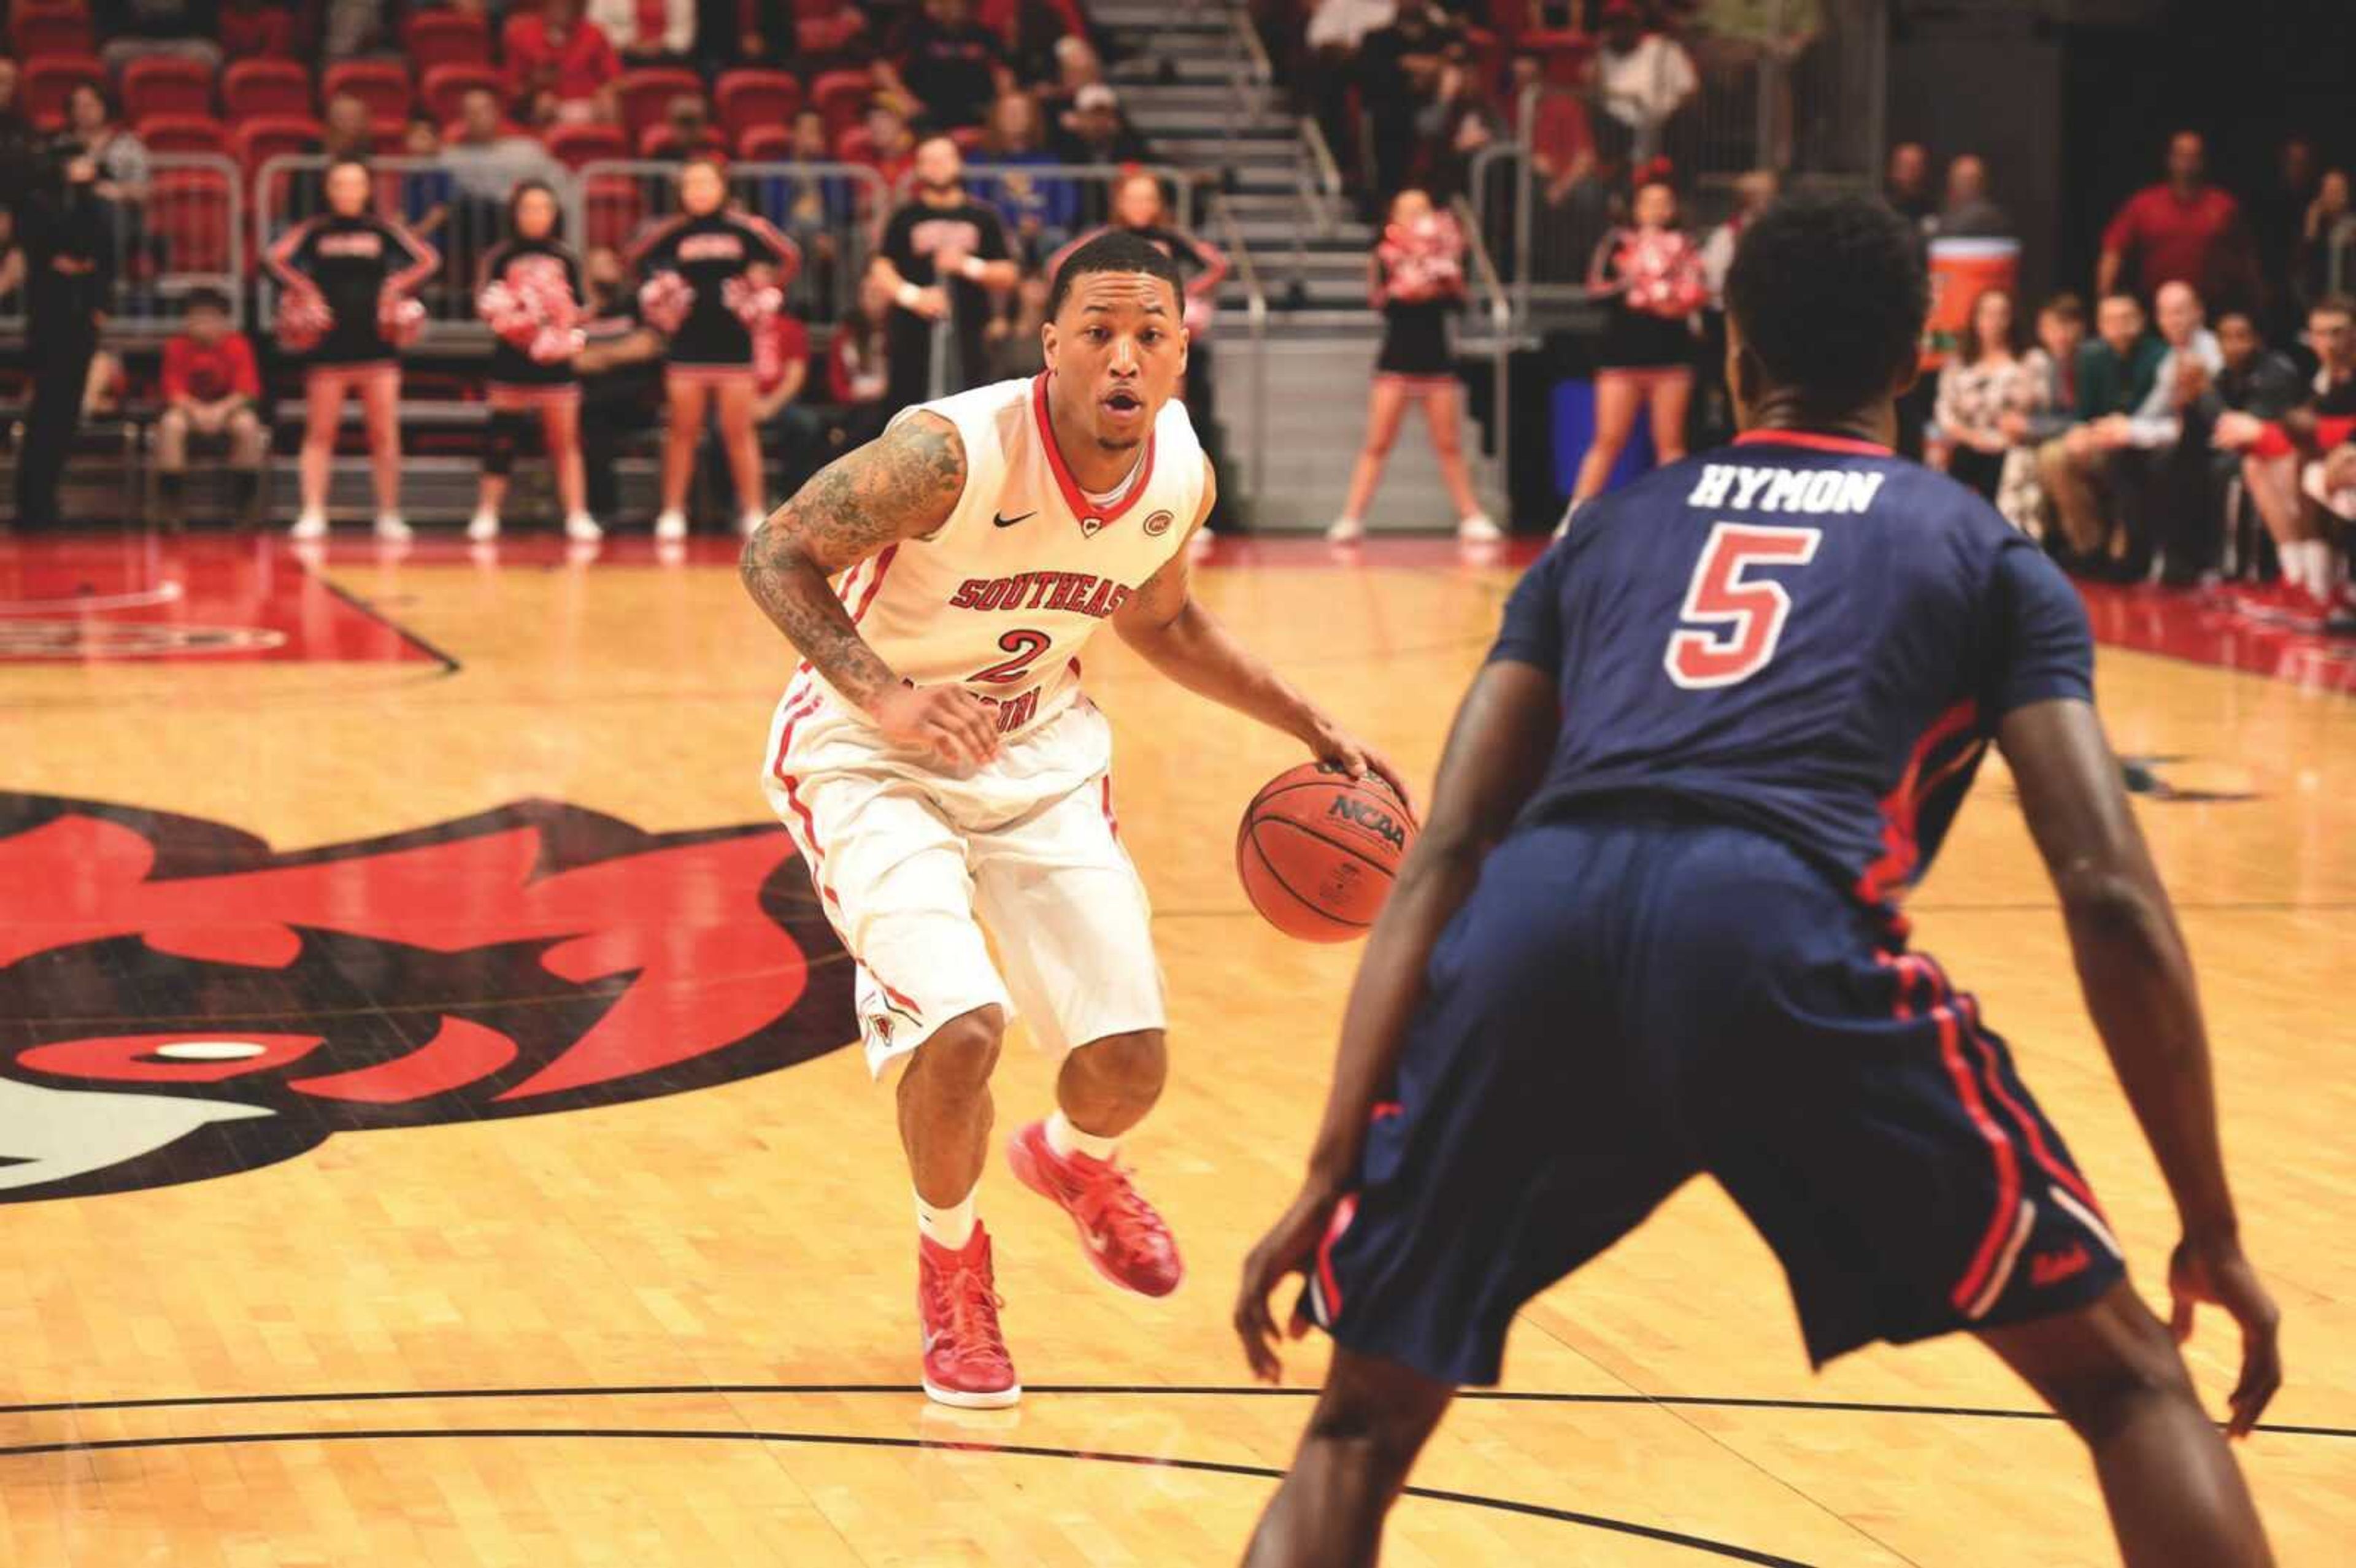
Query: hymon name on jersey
x,y
1743,487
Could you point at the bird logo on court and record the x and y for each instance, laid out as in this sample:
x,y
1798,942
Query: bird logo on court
x,y
184,1002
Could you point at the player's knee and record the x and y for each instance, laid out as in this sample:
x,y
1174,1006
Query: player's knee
x,y
1382,1438
959,1056
1131,1067
2133,1369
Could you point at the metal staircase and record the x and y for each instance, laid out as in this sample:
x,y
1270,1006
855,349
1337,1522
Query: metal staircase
x,y
1295,341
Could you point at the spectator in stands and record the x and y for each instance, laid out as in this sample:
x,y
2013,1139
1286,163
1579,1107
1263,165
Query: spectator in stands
x,y
1754,193
427,191
105,387
354,269
252,30
2081,469
890,148
94,129
2253,380
1416,278
210,385
1651,274
814,207
1095,131
944,257
819,35
12,265
530,291
1077,66
1906,183
620,368
352,27
1642,77
1044,208
2325,259
1460,122
1031,30
12,114
780,376
136,28
2051,368
1016,349
859,364
2170,451
487,160
1398,77
346,130
646,32
1330,64
1982,382
722,270
1968,213
2277,220
561,68
687,131
2182,229
944,68
69,279
2282,457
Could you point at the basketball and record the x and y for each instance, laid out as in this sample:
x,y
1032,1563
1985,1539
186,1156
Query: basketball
x,y
1318,850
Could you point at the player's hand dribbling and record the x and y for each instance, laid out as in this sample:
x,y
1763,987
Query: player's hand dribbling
x,y
1357,759
2217,1273
947,720
1288,1249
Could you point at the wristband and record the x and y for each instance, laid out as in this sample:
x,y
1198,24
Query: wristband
x,y
906,295
972,269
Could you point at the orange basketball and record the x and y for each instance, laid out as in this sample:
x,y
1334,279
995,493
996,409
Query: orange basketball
x,y
1318,850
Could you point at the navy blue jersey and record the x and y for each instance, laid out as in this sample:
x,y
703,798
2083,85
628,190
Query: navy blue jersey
x,y
1801,634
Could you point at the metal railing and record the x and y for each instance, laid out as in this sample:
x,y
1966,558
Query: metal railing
x,y
182,229
1083,187
1501,335
1231,236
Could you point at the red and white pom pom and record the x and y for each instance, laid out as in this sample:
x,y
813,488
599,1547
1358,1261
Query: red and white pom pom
x,y
303,319
751,303
555,345
399,318
1424,258
664,301
540,283
505,311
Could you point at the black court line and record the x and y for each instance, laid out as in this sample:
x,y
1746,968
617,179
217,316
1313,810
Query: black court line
x,y
1173,1391
738,1434
450,664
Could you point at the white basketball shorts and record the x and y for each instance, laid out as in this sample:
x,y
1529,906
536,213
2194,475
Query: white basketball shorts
x,y
914,863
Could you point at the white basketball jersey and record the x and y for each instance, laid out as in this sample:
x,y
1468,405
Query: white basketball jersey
x,y
1002,597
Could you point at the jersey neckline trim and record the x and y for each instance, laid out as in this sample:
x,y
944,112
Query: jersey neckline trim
x,y
1813,442
1073,498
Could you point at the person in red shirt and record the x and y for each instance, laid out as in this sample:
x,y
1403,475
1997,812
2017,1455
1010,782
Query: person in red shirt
x,y
561,67
210,386
2183,229
249,28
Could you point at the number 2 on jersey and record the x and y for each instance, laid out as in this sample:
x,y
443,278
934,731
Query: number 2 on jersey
x,y
1026,645
1744,619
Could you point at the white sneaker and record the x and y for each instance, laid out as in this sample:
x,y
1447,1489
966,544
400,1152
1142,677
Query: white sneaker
x,y
1478,529
391,529
671,525
747,522
1346,530
484,529
309,526
582,529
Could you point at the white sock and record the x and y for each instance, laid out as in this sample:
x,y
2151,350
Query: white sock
x,y
1067,1140
951,1226
2319,567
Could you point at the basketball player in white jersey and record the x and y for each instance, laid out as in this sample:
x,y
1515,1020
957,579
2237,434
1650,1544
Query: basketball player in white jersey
x,y
942,771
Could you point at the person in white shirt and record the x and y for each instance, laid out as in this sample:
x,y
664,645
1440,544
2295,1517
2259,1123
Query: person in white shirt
x,y
1642,77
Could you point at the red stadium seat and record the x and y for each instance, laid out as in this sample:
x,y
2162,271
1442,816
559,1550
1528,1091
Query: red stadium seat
x,y
614,208
647,91
190,211
382,85
183,134
443,87
574,145
265,136
745,99
36,34
969,139
46,83
445,37
166,84
841,98
855,145
662,141
265,88
389,137
767,145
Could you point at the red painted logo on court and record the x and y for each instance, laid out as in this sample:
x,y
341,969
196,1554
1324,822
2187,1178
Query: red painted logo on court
x,y
183,1002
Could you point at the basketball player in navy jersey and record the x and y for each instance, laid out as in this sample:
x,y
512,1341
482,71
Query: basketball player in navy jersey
x,y
1725,724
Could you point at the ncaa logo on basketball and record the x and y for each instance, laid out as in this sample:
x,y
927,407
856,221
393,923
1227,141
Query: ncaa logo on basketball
x,y
1371,819
1158,524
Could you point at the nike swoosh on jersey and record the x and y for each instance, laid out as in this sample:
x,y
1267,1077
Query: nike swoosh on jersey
x,y
1010,522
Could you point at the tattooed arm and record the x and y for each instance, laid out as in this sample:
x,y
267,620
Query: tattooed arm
x,y
903,483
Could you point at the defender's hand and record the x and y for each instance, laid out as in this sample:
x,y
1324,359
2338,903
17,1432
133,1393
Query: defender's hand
x,y
2216,1273
947,720
1357,759
1290,1248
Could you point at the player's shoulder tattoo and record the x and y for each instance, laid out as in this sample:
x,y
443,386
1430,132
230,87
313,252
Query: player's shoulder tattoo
x,y
903,483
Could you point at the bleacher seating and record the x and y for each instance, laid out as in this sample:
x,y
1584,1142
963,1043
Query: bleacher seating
x,y
647,91
190,211
443,88
183,134
258,88
36,32
46,82
841,98
574,145
765,143
445,37
166,84
747,99
382,85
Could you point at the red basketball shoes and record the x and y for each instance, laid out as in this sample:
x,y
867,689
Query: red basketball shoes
x,y
1124,1237
965,1363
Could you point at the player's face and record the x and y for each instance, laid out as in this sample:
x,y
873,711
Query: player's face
x,y
1116,350
702,190
535,214
347,189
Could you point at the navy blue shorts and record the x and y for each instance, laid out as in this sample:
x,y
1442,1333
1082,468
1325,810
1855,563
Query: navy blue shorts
x,y
1625,1004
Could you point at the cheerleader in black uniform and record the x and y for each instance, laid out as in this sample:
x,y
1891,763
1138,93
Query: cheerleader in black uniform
x,y
1416,278
734,267
530,291
348,276
1652,275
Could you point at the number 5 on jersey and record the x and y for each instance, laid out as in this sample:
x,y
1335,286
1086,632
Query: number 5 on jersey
x,y
1745,620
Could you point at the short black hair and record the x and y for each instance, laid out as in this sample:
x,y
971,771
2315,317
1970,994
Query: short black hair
x,y
205,297
2066,307
1114,251
1829,294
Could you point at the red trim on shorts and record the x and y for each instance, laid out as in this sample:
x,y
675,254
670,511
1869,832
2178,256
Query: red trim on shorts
x,y
786,782
1385,1109
874,583
1080,504
1112,821
1813,442
1343,1212
2008,1163
2039,1149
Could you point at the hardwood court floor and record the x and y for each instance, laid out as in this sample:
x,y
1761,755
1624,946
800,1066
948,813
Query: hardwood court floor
x,y
329,1294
